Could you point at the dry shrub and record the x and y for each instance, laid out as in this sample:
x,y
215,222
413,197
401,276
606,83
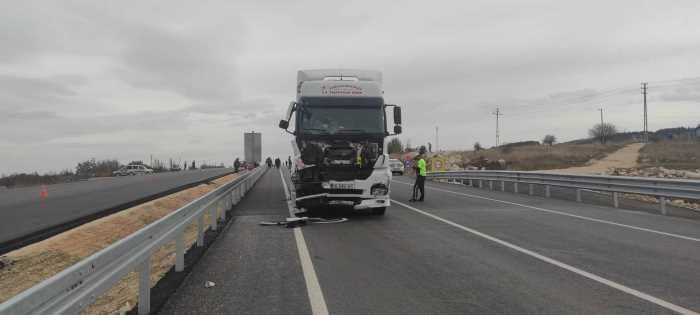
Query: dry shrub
x,y
544,157
673,154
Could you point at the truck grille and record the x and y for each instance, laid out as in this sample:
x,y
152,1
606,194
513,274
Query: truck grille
x,y
345,173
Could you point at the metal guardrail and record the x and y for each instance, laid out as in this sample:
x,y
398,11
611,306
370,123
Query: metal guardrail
x,y
75,288
661,188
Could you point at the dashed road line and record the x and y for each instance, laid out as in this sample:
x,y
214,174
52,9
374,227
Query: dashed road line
x,y
633,227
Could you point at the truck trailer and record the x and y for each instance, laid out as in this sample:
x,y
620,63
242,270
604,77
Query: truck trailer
x,y
340,124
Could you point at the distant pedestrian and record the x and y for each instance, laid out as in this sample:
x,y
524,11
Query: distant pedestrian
x,y
278,163
289,162
236,165
194,167
184,167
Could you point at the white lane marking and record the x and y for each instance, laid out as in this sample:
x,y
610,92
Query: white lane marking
x,y
313,288
688,238
612,284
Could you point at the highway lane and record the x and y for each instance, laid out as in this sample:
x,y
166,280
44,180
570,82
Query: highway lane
x,y
256,269
466,250
23,212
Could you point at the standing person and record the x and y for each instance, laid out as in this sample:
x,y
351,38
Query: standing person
x,y
419,186
236,165
278,162
289,160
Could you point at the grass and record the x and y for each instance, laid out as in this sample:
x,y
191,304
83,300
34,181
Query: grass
x,y
543,157
671,154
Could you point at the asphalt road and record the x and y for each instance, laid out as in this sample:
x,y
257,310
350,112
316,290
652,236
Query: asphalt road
x,y
463,250
23,211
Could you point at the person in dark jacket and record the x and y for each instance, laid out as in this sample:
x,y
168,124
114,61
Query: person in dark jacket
x,y
236,165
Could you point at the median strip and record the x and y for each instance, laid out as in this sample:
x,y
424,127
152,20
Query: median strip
x,y
39,261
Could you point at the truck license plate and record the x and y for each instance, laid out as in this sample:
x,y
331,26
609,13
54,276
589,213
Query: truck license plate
x,y
342,185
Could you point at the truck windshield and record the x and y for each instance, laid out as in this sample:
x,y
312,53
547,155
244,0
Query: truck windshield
x,y
341,116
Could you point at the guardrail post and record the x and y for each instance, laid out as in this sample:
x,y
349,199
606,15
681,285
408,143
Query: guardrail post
x,y
547,192
662,202
531,187
503,185
578,195
180,252
471,182
515,187
213,217
616,201
481,183
200,230
145,287
223,211
491,184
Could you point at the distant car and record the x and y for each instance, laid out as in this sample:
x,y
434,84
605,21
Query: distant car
x,y
131,170
396,166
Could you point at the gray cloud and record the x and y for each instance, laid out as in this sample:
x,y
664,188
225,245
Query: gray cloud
x,y
181,79
43,126
159,59
24,91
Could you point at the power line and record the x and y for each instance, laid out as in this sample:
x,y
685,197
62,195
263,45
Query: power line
x,y
498,114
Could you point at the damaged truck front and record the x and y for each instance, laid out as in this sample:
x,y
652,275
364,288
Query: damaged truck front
x,y
340,124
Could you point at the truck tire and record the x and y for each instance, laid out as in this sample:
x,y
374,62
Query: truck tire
x,y
378,211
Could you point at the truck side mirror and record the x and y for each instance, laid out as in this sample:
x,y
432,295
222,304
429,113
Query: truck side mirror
x,y
397,129
397,115
284,124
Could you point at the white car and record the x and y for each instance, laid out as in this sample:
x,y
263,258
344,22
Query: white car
x,y
396,166
133,170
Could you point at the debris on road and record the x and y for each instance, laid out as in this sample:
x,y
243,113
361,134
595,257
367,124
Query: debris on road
x,y
301,221
5,262
125,309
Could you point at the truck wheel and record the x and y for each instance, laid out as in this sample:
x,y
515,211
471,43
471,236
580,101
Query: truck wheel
x,y
378,211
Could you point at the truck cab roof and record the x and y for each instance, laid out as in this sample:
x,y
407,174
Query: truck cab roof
x,y
339,83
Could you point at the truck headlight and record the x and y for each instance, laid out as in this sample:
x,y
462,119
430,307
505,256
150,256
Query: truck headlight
x,y
379,190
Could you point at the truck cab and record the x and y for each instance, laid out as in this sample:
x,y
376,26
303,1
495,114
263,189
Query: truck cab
x,y
340,124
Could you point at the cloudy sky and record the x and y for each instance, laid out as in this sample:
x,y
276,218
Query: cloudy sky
x,y
185,79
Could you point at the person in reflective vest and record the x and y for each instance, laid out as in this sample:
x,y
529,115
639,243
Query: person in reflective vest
x,y
419,186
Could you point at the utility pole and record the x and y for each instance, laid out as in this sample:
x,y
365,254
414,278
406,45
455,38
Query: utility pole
x,y
602,127
498,137
437,140
645,136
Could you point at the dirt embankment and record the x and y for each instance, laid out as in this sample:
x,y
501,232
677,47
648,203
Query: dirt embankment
x,y
528,157
37,262
626,157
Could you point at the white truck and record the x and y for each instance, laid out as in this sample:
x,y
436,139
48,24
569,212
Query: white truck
x,y
340,124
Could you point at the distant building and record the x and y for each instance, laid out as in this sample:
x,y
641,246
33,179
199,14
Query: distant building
x,y
697,132
252,147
